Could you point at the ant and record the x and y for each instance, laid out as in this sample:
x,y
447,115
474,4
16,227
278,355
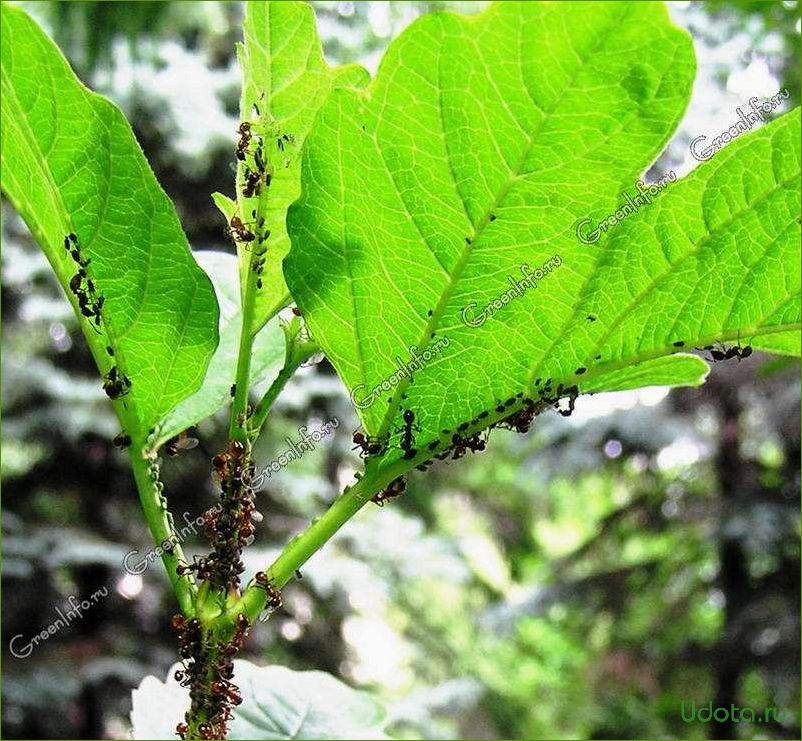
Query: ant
x,y
115,384
253,183
368,444
239,231
273,595
244,140
728,353
395,489
407,438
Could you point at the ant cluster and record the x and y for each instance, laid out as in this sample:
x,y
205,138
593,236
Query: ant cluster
x,y
208,671
455,444
258,174
82,285
229,527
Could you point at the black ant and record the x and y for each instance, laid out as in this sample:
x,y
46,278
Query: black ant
x,y
407,438
728,353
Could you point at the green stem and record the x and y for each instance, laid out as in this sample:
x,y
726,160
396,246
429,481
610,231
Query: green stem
x,y
154,507
301,352
239,407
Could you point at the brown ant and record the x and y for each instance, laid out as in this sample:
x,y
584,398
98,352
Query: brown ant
x,y
368,444
395,489
239,231
273,595
244,140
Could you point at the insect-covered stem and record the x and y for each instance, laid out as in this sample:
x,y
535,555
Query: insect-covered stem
x,y
303,546
154,507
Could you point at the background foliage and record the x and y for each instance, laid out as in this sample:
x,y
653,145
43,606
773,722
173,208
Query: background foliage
x,y
581,581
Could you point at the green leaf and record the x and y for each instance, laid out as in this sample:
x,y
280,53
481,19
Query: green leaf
x,y
278,703
266,361
480,146
70,163
285,75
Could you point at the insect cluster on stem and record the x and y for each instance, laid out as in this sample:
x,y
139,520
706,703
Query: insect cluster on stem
x,y
208,670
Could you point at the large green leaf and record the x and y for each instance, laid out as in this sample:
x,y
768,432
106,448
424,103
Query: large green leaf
x,y
480,146
277,703
285,75
266,361
70,164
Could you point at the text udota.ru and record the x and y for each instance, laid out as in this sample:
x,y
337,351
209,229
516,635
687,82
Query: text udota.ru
x,y
707,713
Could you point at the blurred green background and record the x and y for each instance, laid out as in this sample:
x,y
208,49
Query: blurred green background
x,y
579,582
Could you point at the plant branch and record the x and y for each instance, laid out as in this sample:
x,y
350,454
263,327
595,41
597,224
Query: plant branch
x,y
159,519
297,354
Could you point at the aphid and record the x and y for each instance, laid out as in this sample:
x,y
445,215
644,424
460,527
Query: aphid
x,y
283,140
75,283
182,441
580,371
115,384
298,574
679,343
178,623
233,390
122,441
591,317
182,729
110,350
